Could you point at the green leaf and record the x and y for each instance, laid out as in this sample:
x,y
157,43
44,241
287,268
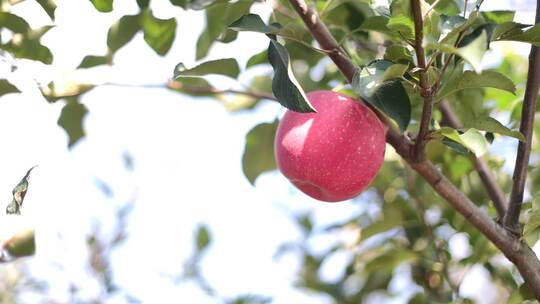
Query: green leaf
x,y
394,71
90,61
103,6
192,86
19,192
122,31
49,6
71,120
253,23
392,218
507,29
533,221
158,33
472,52
402,24
376,23
218,16
452,26
398,53
521,295
498,17
391,259
227,67
471,139
531,35
285,87
259,151
6,88
492,125
454,145
202,237
14,23
29,49
257,59
372,83
181,3
470,80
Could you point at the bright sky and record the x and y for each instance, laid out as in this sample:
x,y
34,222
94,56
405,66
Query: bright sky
x,y
187,154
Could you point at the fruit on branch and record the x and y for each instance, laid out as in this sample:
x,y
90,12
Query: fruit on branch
x,y
331,155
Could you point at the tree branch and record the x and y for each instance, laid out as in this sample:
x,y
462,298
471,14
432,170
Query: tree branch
x,y
196,90
513,248
425,90
495,193
526,127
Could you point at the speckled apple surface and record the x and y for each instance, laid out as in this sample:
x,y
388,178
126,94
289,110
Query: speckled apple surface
x,y
334,154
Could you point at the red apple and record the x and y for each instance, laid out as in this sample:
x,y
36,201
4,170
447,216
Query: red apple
x,y
331,155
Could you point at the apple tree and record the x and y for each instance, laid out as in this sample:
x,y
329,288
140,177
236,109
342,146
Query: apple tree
x,y
418,65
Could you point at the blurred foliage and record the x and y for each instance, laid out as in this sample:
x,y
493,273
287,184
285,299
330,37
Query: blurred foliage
x,y
409,226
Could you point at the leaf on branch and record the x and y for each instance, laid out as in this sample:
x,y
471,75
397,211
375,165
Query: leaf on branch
x,y
376,84
492,125
253,23
49,6
398,53
259,151
403,25
91,61
498,17
516,33
14,23
471,80
390,259
472,139
507,29
391,218
472,53
103,6
71,120
227,67
158,33
376,23
19,192
257,59
122,31
285,87
202,238
218,17
6,88
533,222
181,3
451,26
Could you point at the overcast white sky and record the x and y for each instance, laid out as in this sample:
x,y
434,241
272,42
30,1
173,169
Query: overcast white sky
x,y
187,155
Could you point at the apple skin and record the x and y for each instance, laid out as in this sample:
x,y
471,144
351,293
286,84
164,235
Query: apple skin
x,y
334,154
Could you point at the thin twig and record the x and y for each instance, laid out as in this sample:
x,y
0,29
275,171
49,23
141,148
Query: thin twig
x,y
425,90
432,7
511,217
196,90
513,248
495,192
